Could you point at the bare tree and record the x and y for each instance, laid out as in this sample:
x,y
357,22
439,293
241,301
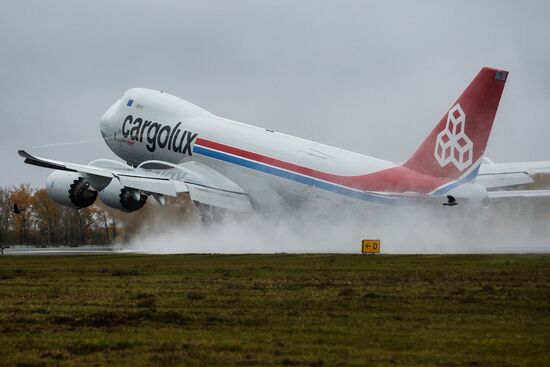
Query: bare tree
x,y
21,198
5,213
104,219
47,214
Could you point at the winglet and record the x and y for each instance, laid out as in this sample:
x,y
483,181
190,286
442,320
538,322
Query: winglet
x,y
36,161
24,154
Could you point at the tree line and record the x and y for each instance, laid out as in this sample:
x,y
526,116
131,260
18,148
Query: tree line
x,y
37,220
29,217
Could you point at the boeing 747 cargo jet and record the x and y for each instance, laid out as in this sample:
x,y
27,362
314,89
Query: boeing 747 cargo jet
x,y
172,146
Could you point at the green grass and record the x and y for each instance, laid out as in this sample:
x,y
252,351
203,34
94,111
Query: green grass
x,y
139,310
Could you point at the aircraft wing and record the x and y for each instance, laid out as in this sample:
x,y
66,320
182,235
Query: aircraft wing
x,y
499,175
203,184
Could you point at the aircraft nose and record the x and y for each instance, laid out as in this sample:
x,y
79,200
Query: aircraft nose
x,y
106,124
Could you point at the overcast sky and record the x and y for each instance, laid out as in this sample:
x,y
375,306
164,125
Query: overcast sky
x,y
372,77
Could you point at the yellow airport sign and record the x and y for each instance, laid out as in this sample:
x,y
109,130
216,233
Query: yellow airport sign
x,y
370,246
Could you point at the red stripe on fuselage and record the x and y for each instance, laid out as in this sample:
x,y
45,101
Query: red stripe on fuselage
x,y
395,179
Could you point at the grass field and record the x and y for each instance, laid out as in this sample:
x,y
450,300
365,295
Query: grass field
x,y
140,310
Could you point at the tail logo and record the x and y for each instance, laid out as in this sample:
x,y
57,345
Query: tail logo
x,y
453,145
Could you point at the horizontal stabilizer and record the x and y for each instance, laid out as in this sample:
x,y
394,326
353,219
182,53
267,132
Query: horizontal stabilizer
x,y
500,175
494,181
518,194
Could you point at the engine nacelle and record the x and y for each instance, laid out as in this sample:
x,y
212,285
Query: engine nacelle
x,y
70,189
122,198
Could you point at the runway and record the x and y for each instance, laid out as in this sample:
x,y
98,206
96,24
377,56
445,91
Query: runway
x,y
61,250
94,250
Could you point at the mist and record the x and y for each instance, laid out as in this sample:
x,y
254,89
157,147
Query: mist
x,y
513,227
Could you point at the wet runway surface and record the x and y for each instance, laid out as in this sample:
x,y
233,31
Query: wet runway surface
x,y
81,250
91,250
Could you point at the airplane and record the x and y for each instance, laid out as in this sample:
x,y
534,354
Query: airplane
x,y
172,146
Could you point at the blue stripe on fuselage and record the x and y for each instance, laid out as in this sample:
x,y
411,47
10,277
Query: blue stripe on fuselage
x,y
361,195
293,176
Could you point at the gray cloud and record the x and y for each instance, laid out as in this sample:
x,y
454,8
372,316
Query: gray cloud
x,y
373,77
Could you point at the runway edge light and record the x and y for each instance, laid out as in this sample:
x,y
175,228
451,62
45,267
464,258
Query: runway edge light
x,y
370,246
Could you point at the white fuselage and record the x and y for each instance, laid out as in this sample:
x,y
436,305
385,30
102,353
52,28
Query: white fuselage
x,y
150,129
146,124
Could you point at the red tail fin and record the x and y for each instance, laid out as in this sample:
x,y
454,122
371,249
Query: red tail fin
x,y
458,141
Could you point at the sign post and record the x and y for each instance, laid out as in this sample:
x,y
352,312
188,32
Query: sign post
x,y
370,246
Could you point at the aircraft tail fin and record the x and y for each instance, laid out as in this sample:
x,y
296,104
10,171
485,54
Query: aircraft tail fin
x,y
455,147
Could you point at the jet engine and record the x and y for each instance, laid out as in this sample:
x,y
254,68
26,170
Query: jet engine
x,y
70,189
122,198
